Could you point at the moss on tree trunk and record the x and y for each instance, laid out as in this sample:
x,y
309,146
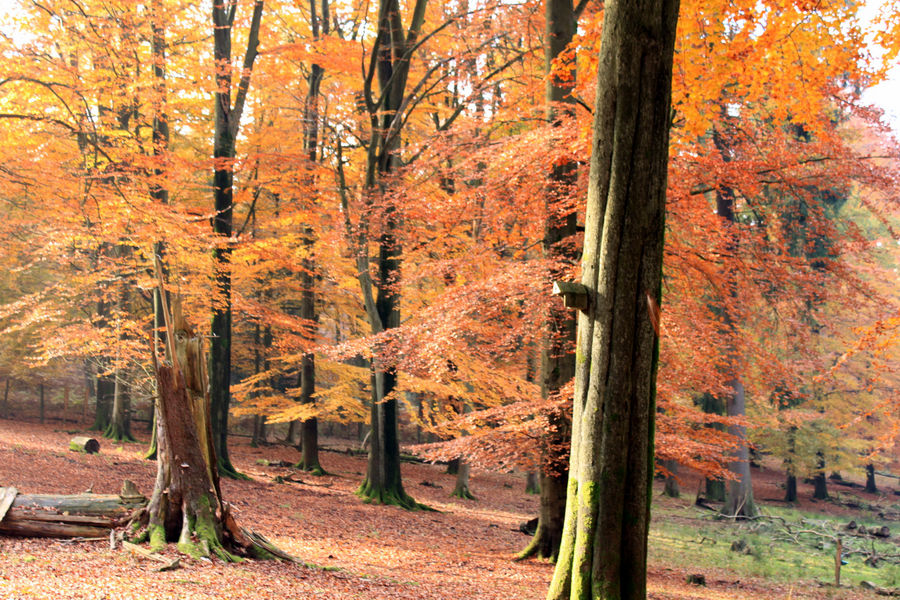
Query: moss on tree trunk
x,y
611,464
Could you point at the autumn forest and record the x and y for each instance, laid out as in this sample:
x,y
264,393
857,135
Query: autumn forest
x,y
482,298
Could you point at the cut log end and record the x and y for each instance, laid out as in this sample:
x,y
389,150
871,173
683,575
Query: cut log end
x,y
84,444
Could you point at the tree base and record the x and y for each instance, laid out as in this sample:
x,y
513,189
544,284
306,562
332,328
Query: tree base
x,y
538,548
117,434
315,470
226,469
373,495
463,493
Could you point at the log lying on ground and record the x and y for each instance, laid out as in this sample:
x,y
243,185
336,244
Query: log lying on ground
x,y
79,515
84,444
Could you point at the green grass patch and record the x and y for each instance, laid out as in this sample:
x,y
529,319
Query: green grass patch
x,y
787,546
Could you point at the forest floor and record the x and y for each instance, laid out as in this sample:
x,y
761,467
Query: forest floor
x,y
464,551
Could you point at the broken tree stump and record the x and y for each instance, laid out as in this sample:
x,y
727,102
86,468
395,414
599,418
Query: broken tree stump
x,y
84,444
79,515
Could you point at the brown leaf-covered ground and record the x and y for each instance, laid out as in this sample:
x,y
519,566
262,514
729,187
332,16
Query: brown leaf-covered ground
x,y
462,552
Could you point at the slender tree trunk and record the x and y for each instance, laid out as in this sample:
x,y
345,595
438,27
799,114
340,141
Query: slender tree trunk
x,y
714,487
309,441
227,120
532,483
790,485
42,402
6,399
309,444
603,554
105,384
159,190
739,493
383,483
558,349
119,428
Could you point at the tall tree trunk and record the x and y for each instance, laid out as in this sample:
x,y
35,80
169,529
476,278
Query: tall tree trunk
x,y
714,486
105,384
119,428
548,536
558,349
611,463
228,120
259,421
383,483
739,493
159,190
309,444
42,402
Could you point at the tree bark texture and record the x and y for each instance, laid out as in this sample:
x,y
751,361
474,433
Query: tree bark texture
x,y
186,506
790,488
461,489
80,515
603,554
390,58
548,535
870,479
671,489
820,483
558,349
227,125
739,492
739,496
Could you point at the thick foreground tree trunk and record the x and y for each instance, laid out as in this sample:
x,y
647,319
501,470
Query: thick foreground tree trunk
x,y
603,554
186,506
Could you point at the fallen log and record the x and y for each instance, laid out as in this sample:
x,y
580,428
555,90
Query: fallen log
x,y
64,516
84,444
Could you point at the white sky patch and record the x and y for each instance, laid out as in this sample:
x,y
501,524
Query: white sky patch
x,y
885,95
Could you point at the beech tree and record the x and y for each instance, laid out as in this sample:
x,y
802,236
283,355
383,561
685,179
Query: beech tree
x,y
604,546
227,126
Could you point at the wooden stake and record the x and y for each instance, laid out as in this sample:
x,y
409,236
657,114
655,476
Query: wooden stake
x,y
838,550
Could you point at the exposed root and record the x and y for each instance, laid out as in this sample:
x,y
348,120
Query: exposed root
x,y
388,497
